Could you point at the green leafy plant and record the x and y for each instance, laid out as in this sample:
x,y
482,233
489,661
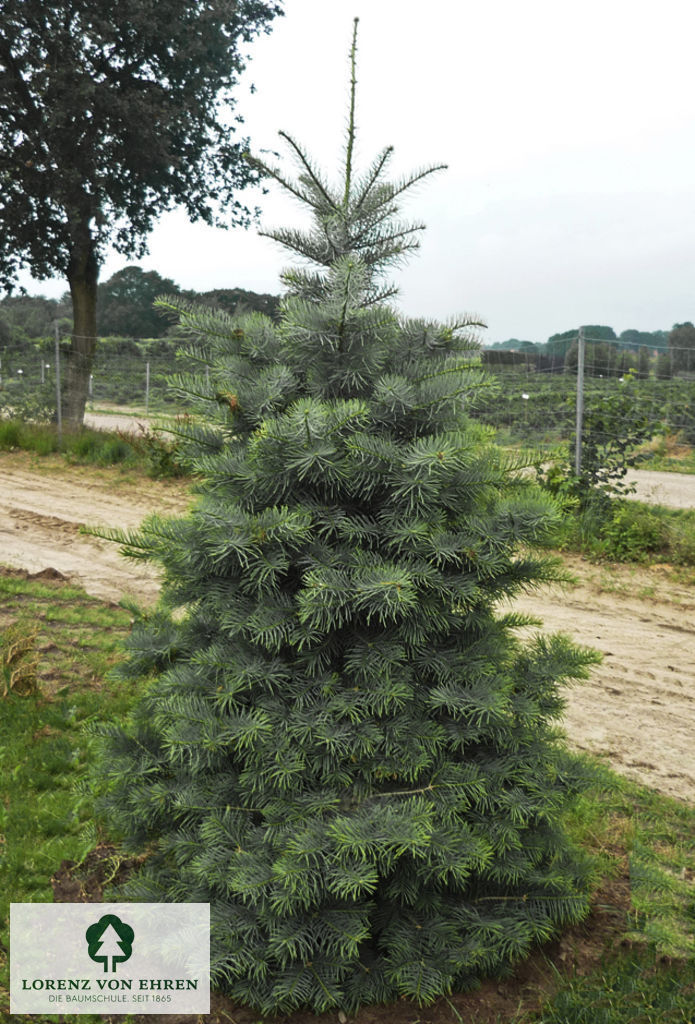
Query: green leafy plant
x,y
32,403
615,423
633,533
595,516
162,456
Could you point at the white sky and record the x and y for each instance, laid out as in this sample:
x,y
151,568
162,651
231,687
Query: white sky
x,y
569,134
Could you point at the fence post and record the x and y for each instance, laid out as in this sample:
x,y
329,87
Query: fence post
x,y
147,388
580,403
59,409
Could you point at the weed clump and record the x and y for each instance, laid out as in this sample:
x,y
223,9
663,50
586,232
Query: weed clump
x,y
18,661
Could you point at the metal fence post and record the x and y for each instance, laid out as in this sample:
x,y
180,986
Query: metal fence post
x,y
147,388
580,403
59,409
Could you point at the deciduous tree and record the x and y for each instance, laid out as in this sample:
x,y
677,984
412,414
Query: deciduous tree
x,y
681,343
126,303
111,113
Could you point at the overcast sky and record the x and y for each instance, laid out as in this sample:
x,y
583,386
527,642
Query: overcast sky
x,y
569,134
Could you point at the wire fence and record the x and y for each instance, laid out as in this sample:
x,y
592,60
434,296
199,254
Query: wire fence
x,y
38,380
537,395
535,402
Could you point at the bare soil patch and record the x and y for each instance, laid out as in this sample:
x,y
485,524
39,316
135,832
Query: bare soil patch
x,y
637,709
133,423
44,506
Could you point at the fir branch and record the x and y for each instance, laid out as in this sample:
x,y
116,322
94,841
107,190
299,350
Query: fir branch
x,y
320,187
380,296
303,196
466,389
414,179
303,245
372,178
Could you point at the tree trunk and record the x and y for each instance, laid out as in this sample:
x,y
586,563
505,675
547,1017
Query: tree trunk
x,y
83,274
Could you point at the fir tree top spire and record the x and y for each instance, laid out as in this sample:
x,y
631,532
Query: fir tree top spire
x,y
357,216
351,116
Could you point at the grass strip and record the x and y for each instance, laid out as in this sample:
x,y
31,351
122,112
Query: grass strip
x,y
148,452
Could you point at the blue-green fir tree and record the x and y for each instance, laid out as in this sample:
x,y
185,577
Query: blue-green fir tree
x,y
346,746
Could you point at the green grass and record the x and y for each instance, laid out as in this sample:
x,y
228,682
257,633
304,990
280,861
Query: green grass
x,y
88,446
148,453
630,531
668,454
45,809
617,819
626,990
634,836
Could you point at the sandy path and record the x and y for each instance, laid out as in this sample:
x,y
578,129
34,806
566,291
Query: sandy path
x,y
675,490
42,511
638,709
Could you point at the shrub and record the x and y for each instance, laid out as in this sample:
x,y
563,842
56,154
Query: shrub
x,y
634,533
163,457
33,403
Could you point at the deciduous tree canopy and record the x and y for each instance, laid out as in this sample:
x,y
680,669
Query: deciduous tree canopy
x,y
126,303
681,343
111,113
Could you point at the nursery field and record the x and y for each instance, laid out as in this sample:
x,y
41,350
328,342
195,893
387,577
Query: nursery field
x,y
630,961
637,710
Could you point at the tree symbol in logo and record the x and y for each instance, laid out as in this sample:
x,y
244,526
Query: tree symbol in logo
x,y
110,939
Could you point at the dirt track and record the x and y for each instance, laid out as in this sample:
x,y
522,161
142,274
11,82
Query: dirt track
x,y
42,510
638,709
675,490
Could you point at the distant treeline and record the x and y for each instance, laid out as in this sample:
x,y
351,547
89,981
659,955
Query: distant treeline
x,y
645,353
558,344
124,308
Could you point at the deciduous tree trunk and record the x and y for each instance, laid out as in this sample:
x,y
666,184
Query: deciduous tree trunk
x,y
83,275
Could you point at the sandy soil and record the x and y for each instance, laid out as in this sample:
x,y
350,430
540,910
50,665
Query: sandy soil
x,y
44,506
638,709
674,490
114,421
